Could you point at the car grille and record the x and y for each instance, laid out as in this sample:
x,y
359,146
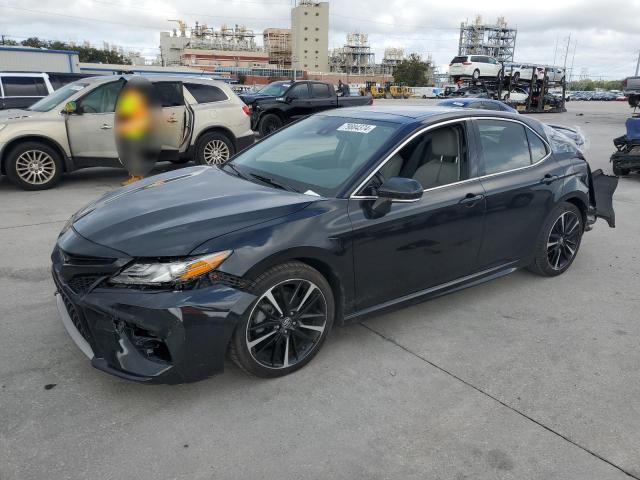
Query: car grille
x,y
82,284
76,316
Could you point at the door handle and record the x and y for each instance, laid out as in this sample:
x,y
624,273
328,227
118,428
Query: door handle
x,y
470,199
106,126
549,179
172,120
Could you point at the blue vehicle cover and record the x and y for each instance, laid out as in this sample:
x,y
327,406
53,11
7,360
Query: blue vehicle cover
x,y
633,128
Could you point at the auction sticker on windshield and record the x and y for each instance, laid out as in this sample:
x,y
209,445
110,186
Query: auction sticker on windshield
x,y
356,127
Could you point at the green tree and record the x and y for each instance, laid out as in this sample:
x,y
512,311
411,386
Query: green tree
x,y
588,85
412,71
85,54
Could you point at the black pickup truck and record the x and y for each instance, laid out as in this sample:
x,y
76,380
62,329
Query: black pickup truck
x,y
283,102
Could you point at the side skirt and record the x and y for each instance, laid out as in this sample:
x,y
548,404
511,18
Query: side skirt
x,y
437,291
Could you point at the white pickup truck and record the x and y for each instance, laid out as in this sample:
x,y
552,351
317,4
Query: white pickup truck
x,y
72,128
631,87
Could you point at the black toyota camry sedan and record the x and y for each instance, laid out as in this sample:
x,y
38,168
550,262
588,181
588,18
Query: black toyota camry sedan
x,y
340,215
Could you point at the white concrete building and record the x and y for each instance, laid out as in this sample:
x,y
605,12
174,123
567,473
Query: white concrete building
x,y
310,35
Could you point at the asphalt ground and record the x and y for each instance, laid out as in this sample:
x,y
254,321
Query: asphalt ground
x,y
520,378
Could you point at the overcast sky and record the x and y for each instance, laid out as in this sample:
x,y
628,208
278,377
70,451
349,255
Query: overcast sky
x,y
607,32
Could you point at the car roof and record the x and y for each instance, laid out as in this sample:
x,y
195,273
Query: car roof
x,y
412,114
153,78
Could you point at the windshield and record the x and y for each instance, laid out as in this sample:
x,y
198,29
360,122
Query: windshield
x,y
317,155
57,97
275,89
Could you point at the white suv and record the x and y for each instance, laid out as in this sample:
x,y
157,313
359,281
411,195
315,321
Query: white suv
x,y
73,127
474,66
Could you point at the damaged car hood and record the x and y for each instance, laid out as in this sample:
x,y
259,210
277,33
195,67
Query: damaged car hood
x,y
173,213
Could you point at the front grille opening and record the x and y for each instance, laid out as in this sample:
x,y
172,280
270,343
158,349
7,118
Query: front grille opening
x,y
82,283
148,344
76,316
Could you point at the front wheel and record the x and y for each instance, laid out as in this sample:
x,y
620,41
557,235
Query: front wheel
x,y
560,240
287,324
34,166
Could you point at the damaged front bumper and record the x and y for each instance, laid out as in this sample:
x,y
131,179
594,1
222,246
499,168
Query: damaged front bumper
x,y
145,335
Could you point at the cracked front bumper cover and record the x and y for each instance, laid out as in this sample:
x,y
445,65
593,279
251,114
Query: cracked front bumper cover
x,y
154,337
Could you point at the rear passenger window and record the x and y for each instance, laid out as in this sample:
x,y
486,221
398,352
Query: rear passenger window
x,y
504,145
300,91
320,90
24,87
537,146
205,93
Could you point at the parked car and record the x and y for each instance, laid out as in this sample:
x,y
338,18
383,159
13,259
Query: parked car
x,y
343,214
474,66
470,92
281,103
554,74
23,89
73,128
425,92
516,95
518,72
477,103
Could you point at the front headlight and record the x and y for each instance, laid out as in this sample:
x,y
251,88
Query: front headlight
x,y
158,273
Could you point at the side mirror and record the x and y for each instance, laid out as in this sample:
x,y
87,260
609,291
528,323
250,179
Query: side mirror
x,y
396,189
290,98
401,189
70,108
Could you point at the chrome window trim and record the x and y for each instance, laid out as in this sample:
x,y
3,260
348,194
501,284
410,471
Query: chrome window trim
x,y
362,184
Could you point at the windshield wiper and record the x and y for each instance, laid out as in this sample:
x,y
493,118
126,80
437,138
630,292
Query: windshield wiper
x,y
235,169
274,183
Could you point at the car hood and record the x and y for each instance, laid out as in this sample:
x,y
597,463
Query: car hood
x,y
169,215
250,98
15,114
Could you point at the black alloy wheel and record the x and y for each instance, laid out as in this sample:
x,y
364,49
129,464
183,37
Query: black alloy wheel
x,y
269,123
287,324
560,240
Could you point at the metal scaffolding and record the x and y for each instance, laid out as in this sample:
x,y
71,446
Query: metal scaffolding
x,y
277,43
354,57
497,40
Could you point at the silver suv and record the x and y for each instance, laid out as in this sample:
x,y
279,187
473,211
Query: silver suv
x,y
73,127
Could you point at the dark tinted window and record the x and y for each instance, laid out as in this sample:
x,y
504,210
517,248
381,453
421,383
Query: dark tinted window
x,y
24,87
320,90
459,59
59,80
537,146
102,99
205,93
170,93
504,145
299,91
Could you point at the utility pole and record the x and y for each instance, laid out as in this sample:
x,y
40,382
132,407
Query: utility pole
x,y
638,64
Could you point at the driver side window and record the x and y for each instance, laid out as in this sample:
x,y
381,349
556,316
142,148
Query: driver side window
x,y
435,158
102,99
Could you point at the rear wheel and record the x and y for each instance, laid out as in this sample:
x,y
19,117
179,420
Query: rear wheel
x,y
560,240
287,324
269,124
214,148
34,166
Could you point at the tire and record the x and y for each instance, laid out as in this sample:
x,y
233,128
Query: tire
x,y
34,166
214,148
559,242
475,75
424,97
269,123
285,344
620,172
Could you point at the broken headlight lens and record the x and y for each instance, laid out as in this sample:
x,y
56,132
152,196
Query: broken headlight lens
x,y
179,271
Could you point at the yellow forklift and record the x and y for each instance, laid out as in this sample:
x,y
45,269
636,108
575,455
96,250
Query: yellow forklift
x,y
373,89
397,90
